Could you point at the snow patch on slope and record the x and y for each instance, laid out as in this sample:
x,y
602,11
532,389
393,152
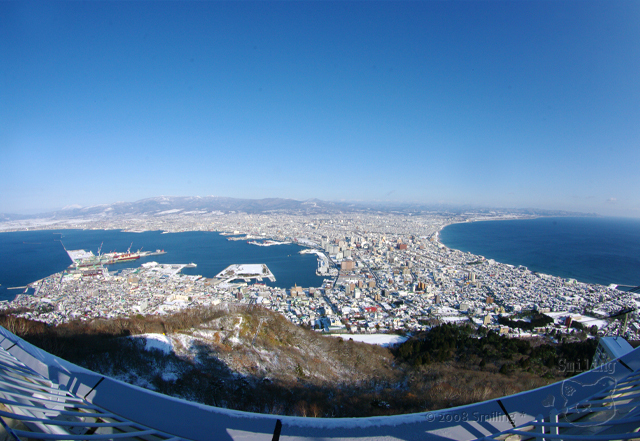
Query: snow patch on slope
x,y
374,339
157,341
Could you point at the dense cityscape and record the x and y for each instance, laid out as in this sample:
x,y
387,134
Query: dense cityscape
x,y
353,220
383,273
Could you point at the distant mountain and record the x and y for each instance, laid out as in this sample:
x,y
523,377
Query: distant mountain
x,y
171,204
165,205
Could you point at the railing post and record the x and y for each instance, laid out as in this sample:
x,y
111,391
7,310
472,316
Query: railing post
x,y
553,418
540,428
276,432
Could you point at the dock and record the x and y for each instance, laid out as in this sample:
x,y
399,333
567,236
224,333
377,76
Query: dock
x,y
246,272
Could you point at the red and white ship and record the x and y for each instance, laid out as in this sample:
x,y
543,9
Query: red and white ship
x,y
125,257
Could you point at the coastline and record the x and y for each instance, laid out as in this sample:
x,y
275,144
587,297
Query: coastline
x,y
170,226
400,262
516,262
9,289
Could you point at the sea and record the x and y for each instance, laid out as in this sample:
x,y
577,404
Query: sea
x,y
600,250
597,250
28,256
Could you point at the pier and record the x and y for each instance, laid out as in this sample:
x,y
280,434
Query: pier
x,y
246,272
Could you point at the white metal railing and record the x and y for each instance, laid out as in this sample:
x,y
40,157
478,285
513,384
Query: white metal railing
x,y
33,407
612,413
45,397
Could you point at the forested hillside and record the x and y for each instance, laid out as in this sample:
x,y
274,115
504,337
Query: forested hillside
x,y
252,359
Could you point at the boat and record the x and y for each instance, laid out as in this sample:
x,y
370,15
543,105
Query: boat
x,y
126,257
107,258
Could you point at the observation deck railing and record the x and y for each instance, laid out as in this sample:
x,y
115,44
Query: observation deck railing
x,y
45,397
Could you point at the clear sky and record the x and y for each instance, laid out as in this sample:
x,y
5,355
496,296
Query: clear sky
x,y
505,104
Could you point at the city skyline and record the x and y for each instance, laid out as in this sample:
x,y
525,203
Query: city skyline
x,y
493,104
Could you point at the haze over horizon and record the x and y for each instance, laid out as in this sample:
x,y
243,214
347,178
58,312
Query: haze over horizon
x,y
160,205
497,104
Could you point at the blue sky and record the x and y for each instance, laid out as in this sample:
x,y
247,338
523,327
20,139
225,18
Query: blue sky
x,y
505,104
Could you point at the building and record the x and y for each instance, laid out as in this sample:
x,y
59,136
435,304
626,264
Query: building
x,y
347,265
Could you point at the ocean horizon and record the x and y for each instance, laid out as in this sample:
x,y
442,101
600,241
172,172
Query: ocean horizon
x,y
599,250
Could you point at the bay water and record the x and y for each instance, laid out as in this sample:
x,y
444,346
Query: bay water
x,y
599,250
28,256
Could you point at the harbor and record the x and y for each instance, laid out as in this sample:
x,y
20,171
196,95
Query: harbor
x,y
379,279
246,272
324,263
267,243
210,250
86,259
